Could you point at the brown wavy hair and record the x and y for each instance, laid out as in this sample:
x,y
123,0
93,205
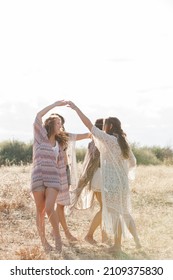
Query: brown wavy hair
x,y
99,123
61,117
49,124
113,127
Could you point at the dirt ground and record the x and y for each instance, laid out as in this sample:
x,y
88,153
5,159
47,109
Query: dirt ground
x,y
152,202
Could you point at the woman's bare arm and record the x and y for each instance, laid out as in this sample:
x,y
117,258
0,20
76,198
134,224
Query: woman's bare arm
x,y
86,121
49,107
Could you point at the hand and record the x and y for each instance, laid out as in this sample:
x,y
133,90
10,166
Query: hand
x,y
71,105
61,103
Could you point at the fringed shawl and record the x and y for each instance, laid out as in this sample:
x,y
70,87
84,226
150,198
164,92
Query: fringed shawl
x,y
115,174
80,192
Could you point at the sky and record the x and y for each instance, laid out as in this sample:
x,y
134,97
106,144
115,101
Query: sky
x,y
112,58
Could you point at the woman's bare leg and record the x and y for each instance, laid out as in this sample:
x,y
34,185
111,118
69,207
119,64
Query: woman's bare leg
x,y
62,220
117,239
94,224
51,195
103,232
39,197
116,248
97,220
132,228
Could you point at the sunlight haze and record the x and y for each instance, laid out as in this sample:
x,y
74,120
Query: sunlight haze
x,y
112,58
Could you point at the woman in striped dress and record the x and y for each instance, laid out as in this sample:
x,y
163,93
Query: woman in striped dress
x,y
49,175
70,162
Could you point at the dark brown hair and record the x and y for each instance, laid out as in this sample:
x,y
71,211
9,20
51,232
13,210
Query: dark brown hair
x,y
99,123
113,127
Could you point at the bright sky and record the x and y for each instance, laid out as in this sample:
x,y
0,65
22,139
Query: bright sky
x,y
112,58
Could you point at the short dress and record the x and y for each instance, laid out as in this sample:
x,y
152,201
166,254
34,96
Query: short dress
x,y
96,182
63,197
90,180
48,170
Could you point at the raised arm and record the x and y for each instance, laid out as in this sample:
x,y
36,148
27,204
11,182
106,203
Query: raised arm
x,y
83,136
49,107
83,118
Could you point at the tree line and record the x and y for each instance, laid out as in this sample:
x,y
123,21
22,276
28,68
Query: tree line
x,y
19,153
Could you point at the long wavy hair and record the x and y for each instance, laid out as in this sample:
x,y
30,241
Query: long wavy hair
x,y
49,124
99,123
113,127
61,117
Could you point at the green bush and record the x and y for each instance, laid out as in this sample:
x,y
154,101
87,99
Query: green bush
x,y
80,154
164,154
153,155
15,152
144,156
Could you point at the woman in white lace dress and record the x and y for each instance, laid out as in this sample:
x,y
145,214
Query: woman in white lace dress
x,y
117,161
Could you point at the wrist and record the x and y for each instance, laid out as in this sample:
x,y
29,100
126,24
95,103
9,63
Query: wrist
x,y
57,103
76,108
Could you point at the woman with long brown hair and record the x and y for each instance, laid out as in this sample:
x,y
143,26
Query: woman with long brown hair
x,y
62,200
89,187
117,160
49,181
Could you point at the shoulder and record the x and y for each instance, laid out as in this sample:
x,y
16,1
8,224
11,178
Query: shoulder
x,y
96,131
100,134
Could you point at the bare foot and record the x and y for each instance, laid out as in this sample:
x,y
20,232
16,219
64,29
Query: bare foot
x,y
70,237
138,244
115,249
105,238
47,247
90,239
58,244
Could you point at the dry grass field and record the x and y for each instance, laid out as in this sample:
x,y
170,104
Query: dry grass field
x,y
152,201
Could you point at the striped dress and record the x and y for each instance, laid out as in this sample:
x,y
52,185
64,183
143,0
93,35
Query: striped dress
x,y
47,171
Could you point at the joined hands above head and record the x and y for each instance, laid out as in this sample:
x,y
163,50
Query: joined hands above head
x,y
71,105
61,103
81,115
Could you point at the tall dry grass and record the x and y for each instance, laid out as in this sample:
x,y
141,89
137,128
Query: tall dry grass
x,y
152,201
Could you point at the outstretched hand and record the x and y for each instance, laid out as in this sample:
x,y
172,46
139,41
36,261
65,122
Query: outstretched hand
x,y
71,105
49,107
61,103
81,115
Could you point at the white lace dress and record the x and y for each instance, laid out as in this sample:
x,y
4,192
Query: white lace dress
x,y
115,175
